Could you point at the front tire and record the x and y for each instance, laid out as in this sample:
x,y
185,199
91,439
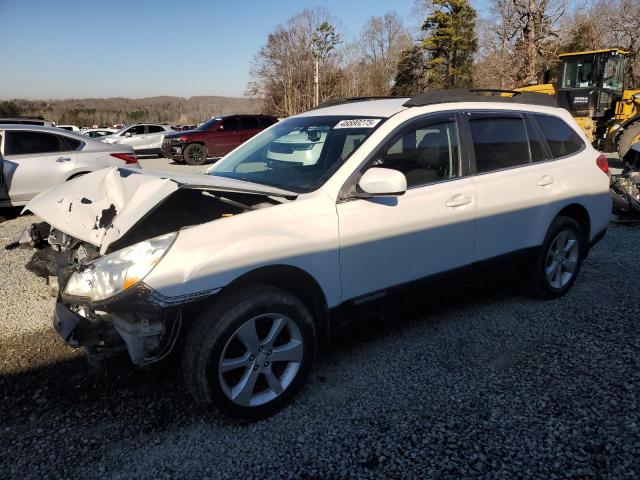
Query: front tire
x,y
558,263
250,352
195,154
630,136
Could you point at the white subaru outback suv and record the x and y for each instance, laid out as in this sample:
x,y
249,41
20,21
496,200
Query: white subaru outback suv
x,y
247,270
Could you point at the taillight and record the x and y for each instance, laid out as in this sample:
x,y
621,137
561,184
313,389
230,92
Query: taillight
x,y
127,157
603,163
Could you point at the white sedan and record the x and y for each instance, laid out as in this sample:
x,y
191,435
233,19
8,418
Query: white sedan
x,y
35,158
145,138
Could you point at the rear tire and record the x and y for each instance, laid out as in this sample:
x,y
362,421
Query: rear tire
x,y
231,361
195,154
630,136
558,262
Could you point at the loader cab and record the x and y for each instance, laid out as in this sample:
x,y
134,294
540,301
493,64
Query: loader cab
x,y
591,83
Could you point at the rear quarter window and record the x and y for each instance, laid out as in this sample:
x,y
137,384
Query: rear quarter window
x,y
561,138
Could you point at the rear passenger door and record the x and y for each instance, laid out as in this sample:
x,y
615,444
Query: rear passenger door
x,y
35,161
514,193
153,137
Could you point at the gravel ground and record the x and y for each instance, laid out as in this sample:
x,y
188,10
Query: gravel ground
x,y
493,385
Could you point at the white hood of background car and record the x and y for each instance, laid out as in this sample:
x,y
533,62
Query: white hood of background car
x,y
100,207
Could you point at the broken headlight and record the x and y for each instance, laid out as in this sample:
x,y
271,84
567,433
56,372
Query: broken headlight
x,y
114,273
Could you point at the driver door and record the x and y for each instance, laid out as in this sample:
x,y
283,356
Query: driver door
x,y
227,137
392,241
135,136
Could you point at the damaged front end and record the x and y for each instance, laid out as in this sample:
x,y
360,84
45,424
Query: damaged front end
x,y
102,236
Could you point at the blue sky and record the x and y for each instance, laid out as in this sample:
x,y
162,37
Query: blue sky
x,y
140,48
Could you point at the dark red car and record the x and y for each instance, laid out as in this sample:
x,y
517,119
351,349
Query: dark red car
x,y
214,138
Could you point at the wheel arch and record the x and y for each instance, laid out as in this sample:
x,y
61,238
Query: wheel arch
x,y
580,214
297,282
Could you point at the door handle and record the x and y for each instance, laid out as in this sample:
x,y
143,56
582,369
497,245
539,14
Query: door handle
x,y
63,159
546,180
458,201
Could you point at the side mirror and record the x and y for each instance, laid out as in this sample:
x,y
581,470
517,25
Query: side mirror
x,y
220,128
382,182
127,134
546,76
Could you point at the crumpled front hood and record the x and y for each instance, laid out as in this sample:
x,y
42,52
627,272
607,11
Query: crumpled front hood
x,y
100,207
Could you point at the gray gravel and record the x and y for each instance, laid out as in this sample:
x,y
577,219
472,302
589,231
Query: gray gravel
x,y
493,385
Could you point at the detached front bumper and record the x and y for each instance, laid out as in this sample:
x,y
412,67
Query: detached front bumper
x,y
136,321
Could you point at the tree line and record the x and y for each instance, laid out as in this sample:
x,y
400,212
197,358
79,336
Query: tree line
x,y
112,111
511,45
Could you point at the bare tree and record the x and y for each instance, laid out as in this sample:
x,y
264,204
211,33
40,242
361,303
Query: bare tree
x,y
381,42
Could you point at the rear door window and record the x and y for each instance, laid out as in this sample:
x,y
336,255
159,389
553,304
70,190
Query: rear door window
x,y
155,129
25,142
536,142
249,123
500,141
561,138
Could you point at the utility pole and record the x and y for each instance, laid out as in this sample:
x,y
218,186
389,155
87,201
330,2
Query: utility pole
x,y
323,41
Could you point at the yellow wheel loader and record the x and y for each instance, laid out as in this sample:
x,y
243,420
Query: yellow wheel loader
x,y
591,86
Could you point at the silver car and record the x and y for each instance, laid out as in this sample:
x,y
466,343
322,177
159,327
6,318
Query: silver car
x,y
35,158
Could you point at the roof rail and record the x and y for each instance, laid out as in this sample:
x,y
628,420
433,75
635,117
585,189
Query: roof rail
x,y
339,101
481,95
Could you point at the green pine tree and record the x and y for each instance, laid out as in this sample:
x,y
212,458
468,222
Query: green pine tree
x,y
409,80
451,42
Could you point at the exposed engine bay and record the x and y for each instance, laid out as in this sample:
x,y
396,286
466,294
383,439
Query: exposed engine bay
x,y
112,211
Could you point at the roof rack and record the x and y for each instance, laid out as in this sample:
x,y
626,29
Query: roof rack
x,y
481,95
339,101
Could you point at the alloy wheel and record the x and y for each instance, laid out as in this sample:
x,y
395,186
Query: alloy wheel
x,y
261,359
562,259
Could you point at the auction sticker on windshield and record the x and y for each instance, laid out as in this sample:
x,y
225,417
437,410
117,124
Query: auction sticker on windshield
x,y
358,123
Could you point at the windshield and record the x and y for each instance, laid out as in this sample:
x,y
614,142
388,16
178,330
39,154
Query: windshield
x,y
578,73
298,154
209,123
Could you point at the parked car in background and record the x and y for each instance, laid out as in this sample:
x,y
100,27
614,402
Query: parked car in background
x,y
253,266
24,120
36,158
98,132
214,138
145,138
70,128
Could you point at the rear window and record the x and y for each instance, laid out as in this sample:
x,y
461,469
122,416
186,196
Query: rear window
x,y
561,138
499,142
24,142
